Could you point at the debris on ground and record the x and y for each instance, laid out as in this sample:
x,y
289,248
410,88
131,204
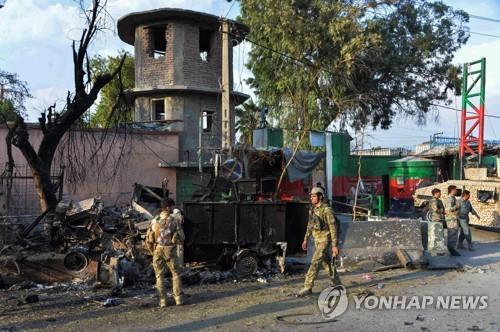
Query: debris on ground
x,y
31,298
110,302
262,280
367,277
476,269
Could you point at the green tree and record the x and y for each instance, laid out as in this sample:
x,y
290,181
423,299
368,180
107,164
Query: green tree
x,y
357,62
7,111
113,108
13,95
247,119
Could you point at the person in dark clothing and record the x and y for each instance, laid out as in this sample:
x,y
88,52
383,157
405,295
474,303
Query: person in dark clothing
x,y
463,218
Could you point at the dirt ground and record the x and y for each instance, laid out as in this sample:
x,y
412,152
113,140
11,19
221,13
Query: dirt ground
x,y
271,306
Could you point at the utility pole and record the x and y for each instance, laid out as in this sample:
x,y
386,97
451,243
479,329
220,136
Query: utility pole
x,y
227,130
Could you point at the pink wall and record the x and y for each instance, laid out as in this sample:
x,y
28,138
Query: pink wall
x,y
142,152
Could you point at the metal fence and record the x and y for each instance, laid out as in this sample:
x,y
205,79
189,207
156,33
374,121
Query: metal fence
x,y
18,196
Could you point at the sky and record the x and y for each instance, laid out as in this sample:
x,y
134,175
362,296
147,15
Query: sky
x,y
36,36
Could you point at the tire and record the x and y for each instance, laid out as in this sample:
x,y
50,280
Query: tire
x,y
246,264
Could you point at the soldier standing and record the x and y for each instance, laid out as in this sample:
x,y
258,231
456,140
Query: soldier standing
x,y
452,211
463,218
321,226
437,207
436,232
179,218
163,237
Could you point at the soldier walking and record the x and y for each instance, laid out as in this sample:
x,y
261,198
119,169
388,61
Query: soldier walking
x,y
163,237
452,212
463,219
322,227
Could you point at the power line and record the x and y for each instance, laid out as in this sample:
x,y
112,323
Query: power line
x,y
484,18
459,110
229,10
484,34
307,63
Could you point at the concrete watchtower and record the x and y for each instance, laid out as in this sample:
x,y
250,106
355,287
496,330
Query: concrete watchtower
x,y
178,73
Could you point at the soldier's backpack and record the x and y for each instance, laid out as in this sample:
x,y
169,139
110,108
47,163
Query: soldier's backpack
x,y
166,232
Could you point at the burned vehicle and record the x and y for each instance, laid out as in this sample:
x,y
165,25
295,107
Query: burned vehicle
x,y
245,217
244,234
81,241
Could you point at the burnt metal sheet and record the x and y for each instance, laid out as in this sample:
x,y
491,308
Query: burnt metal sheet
x,y
238,224
273,224
250,217
223,223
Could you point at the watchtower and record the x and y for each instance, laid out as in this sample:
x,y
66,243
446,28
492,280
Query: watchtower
x,y
178,74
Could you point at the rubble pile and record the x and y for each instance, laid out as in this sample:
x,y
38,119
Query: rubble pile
x,y
104,246
79,240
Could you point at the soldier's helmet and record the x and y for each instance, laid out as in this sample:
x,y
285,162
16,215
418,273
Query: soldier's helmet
x,y
317,190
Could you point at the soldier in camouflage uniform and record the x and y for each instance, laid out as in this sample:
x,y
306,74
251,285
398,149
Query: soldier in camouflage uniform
x,y
179,218
452,212
322,227
436,206
162,238
435,230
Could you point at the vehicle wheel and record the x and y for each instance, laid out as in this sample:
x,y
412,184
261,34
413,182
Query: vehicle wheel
x,y
76,261
246,264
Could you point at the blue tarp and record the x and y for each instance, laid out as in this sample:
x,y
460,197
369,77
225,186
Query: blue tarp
x,y
302,163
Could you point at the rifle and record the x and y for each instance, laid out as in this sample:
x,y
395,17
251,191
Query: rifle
x,y
335,264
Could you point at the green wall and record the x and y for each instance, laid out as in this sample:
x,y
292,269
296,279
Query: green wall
x,y
185,185
344,164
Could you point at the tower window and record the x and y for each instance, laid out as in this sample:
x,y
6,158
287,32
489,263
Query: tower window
x,y
207,121
158,109
158,39
205,37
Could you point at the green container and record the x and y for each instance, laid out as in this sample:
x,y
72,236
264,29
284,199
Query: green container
x,y
412,167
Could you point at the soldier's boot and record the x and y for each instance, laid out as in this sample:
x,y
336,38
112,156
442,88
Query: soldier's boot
x,y
163,302
176,285
453,252
162,292
179,300
304,292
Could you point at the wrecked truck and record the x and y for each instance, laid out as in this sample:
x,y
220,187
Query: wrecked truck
x,y
244,235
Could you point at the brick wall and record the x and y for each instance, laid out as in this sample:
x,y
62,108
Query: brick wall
x,y
153,73
196,71
182,64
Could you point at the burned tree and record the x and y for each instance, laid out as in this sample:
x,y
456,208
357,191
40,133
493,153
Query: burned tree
x,y
55,125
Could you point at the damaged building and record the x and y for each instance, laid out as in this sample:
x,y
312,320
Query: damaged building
x,y
178,69
182,117
178,98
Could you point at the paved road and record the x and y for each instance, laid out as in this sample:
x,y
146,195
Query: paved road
x,y
250,306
